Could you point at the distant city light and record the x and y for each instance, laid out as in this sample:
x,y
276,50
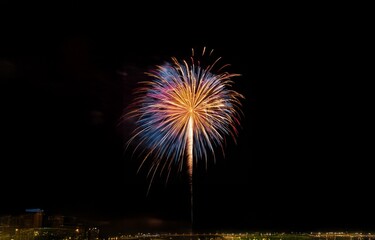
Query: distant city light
x,y
34,210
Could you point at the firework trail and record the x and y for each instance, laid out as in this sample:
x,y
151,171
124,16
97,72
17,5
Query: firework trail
x,y
184,110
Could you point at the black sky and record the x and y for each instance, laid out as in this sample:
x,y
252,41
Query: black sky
x,y
67,72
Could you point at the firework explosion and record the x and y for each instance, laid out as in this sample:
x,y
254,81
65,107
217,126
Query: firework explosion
x,y
183,113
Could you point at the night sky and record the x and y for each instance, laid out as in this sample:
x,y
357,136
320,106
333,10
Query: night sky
x,y
67,72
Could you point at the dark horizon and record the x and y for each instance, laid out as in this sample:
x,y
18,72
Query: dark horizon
x,y
67,76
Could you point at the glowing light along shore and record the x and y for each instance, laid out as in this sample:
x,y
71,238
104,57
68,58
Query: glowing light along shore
x,y
183,112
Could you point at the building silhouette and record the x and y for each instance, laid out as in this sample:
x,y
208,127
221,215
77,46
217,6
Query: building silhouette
x,y
34,224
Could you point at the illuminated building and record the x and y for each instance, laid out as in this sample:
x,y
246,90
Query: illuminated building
x,y
34,224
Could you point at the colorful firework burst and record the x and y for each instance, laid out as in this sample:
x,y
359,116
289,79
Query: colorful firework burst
x,y
183,113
